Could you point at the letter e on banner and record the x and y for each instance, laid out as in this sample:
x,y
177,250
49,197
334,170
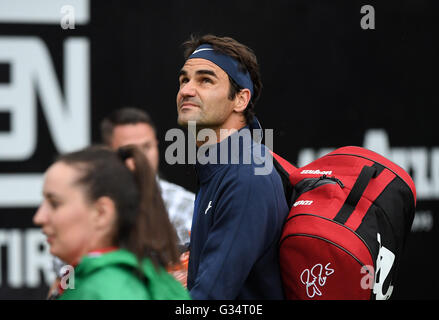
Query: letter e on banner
x,y
32,72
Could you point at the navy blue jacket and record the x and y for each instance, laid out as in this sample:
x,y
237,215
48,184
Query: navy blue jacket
x,y
237,224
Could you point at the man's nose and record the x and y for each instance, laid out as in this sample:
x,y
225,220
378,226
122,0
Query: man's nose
x,y
188,89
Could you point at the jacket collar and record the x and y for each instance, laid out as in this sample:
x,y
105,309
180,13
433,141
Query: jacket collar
x,y
232,150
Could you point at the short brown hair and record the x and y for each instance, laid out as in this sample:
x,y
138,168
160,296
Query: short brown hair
x,y
243,54
127,115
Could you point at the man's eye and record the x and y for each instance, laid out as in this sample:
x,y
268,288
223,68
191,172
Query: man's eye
x,y
206,80
183,80
54,204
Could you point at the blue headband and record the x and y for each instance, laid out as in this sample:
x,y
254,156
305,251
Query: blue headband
x,y
225,62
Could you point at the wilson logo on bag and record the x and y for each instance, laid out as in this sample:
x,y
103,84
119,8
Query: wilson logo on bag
x,y
350,214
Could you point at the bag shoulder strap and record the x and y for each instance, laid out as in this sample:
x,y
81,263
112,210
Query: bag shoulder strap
x,y
360,185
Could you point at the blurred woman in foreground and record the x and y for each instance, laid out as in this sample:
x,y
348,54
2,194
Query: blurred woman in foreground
x,y
103,214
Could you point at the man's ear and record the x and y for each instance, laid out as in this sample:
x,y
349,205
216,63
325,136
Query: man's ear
x,y
242,100
105,213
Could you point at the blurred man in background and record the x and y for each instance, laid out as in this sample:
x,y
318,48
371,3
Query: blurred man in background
x,y
132,126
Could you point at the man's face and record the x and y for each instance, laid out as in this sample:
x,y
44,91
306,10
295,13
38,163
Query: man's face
x,y
141,135
203,94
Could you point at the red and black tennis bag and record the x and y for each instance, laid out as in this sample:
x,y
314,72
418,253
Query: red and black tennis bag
x,y
351,212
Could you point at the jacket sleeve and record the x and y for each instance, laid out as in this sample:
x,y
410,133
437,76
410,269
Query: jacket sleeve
x,y
244,227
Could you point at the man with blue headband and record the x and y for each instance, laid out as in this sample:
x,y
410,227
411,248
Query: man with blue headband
x,y
239,213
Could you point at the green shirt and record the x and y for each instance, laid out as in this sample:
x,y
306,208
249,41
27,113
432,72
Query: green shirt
x,y
113,276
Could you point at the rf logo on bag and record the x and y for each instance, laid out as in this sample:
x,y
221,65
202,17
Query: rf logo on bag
x,y
315,278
